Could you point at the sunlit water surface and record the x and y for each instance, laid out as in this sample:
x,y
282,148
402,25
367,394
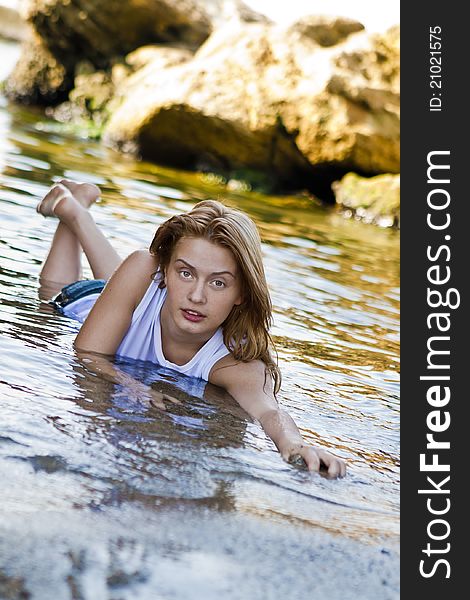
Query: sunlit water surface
x,y
119,484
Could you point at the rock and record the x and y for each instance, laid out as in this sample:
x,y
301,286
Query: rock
x,y
12,26
353,122
13,588
222,11
86,107
324,30
38,78
374,200
93,91
206,98
100,30
161,57
269,98
157,57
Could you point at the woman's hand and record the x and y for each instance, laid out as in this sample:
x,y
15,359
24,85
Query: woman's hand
x,y
315,459
130,387
158,399
248,384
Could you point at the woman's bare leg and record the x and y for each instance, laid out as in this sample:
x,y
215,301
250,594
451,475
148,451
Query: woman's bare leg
x,y
76,231
62,264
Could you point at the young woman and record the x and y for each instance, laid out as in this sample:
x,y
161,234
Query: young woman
x,y
197,302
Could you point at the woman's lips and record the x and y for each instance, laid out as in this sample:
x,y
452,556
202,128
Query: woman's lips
x,y
192,315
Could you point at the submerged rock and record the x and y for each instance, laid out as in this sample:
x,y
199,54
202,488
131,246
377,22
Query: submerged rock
x,y
273,99
13,587
374,200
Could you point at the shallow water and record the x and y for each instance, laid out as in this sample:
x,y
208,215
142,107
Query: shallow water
x,y
131,502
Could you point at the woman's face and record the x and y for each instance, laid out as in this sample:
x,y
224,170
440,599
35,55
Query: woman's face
x,y
203,284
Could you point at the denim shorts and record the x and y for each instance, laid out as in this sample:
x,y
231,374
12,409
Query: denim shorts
x,y
75,291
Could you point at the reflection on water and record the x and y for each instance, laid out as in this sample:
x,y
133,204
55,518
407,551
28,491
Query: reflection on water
x,y
69,439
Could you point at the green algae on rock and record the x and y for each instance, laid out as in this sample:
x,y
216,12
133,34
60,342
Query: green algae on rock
x,y
373,200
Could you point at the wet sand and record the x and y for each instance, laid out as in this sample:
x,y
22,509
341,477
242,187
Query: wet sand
x,y
129,553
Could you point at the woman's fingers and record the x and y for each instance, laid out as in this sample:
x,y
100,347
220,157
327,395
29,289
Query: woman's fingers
x,y
335,466
156,400
172,399
311,458
315,458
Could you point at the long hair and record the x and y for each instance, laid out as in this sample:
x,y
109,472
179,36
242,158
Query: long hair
x,y
246,329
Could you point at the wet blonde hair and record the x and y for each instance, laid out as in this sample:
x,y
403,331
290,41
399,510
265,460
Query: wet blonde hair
x,y
246,329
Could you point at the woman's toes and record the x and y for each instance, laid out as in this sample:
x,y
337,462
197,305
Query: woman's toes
x,y
88,193
49,204
85,193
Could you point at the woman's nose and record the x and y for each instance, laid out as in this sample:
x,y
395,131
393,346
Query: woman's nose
x,y
196,293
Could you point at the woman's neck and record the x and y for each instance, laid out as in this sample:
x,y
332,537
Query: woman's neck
x,y
178,347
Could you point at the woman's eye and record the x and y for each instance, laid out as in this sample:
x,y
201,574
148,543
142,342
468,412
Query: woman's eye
x,y
185,274
219,284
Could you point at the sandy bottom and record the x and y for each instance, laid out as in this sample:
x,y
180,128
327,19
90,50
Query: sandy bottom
x,y
176,553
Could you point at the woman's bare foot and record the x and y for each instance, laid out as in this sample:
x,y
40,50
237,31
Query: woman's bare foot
x,y
51,200
85,193
59,202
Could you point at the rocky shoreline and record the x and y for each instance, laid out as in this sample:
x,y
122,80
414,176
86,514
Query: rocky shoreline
x,y
186,84
12,24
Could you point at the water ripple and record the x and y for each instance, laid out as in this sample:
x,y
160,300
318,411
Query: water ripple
x,y
86,443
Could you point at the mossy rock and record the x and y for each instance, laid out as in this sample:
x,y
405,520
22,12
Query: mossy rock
x,y
373,200
38,77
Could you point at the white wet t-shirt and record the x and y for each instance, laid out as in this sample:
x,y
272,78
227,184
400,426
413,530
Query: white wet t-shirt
x,y
143,340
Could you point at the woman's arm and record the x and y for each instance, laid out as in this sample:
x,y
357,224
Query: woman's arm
x,y
108,322
249,386
110,317
136,389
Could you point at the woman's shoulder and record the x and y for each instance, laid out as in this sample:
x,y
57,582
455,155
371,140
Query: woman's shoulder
x,y
138,264
142,259
228,371
133,276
